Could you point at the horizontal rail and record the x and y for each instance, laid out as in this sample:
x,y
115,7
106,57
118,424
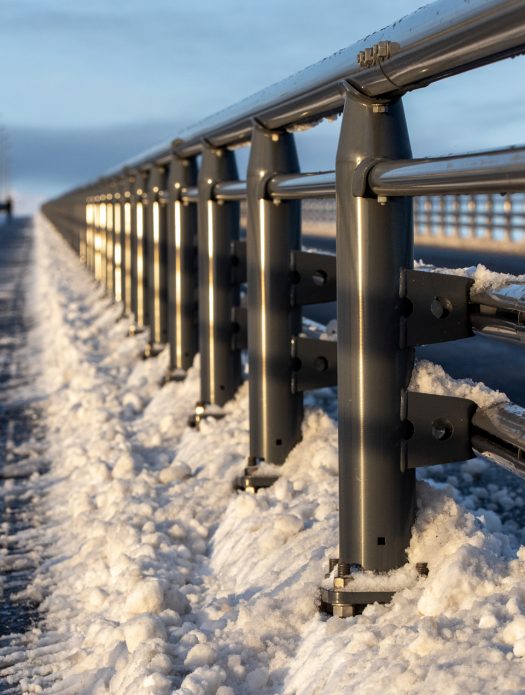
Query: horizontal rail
x,y
499,436
488,172
296,186
230,190
439,40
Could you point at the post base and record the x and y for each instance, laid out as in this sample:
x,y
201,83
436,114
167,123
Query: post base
x,y
203,411
135,330
173,374
343,603
152,350
252,481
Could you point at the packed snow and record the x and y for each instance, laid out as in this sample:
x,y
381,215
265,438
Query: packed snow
x,y
154,577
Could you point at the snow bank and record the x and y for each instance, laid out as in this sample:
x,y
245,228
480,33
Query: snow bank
x,y
156,578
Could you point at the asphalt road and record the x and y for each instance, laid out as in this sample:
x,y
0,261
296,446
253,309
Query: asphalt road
x,y
21,437
498,364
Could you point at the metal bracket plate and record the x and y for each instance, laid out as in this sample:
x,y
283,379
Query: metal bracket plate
x,y
238,261
437,308
239,339
313,278
315,363
437,430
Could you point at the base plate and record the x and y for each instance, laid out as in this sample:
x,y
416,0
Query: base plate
x,y
345,604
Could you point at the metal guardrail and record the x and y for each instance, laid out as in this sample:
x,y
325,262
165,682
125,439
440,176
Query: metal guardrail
x,y
163,234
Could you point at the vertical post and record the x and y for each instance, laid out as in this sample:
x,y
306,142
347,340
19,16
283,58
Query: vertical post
x,y
183,326
117,246
456,214
374,244
102,230
110,243
489,218
139,249
442,224
157,251
507,216
472,206
218,226
89,232
127,242
96,241
274,230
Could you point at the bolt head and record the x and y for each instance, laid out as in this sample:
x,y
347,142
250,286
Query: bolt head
x,y
379,108
382,199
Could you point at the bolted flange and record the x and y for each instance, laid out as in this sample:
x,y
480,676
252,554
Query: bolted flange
x,y
342,602
134,330
252,480
173,375
151,350
203,411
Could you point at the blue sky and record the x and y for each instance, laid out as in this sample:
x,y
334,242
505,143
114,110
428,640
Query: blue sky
x,y
86,85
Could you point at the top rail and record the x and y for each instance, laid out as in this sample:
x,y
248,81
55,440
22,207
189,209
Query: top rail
x,y
442,39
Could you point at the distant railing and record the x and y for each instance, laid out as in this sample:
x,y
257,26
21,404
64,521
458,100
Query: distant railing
x,y
162,233
472,221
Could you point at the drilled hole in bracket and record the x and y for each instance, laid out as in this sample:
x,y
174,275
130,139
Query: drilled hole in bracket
x,y
319,278
442,429
441,307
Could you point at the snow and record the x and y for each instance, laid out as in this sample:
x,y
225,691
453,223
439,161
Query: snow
x,y
156,578
484,279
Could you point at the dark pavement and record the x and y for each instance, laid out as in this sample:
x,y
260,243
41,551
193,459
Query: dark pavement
x,y
21,443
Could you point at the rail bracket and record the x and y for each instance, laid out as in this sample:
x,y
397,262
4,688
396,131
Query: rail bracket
x,y
435,308
252,480
313,278
436,430
314,362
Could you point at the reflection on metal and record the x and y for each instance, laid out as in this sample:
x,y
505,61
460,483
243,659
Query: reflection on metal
x,y
139,317
211,303
177,205
109,249
96,225
264,313
127,255
102,222
117,257
442,39
156,272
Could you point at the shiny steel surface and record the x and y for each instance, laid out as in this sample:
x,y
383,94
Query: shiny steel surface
x,y
230,190
315,185
487,172
439,40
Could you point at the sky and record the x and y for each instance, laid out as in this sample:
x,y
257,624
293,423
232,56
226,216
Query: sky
x,y
86,85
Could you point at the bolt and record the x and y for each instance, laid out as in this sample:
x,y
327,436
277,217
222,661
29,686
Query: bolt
x,y
380,108
382,199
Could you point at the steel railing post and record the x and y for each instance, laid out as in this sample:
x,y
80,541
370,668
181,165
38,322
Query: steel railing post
x,y
110,244
139,252
127,244
183,325
157,261
117,245
96,240
218,226
103,221
89,220
374,244
273,231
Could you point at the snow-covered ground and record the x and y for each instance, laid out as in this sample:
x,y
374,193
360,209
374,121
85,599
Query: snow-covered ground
x,y
156,578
